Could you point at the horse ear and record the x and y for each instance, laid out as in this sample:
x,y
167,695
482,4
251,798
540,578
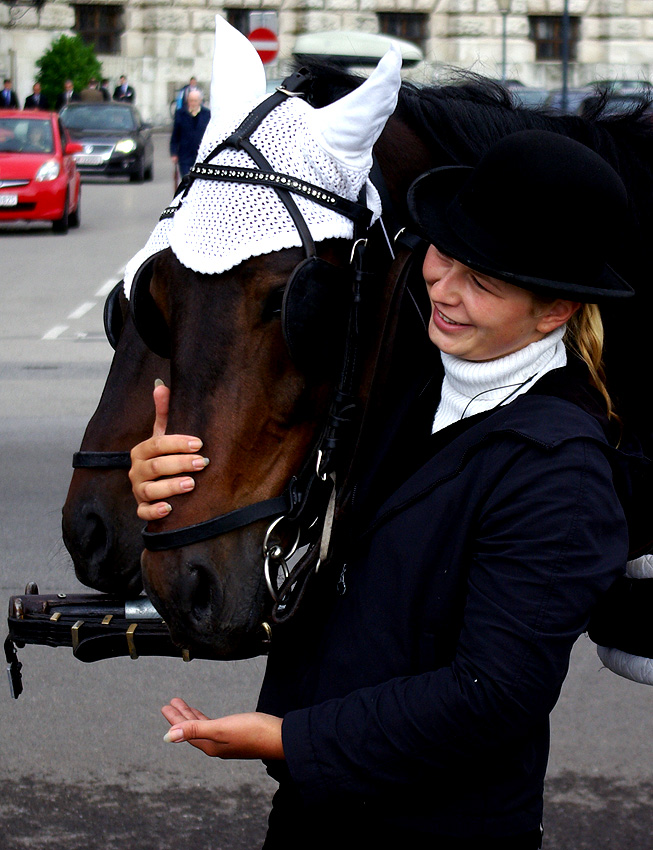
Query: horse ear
x,y
238,76
348,128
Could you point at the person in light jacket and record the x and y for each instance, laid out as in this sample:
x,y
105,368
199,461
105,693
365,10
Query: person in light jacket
x,y
408,700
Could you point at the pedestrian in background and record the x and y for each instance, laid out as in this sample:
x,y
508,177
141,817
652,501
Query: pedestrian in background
x,y
36,100
187,89
92,93
8,99
68,95
123,92
104,88
190,124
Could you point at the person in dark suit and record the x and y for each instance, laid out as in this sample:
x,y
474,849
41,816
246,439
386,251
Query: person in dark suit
x,y
8,99
104,88
123,92
190,124
67,95
36,100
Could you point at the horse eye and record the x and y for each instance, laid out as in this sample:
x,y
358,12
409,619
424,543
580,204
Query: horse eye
x,y
272,309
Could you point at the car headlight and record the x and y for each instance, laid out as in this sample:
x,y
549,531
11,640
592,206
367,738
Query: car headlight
x,y
48,171
126,146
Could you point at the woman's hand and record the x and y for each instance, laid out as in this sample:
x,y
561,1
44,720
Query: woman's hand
x,y
163,455
253,735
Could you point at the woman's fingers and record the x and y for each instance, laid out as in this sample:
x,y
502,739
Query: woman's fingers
x,y
157,472
165,444
178,710
161,404
162,466
249,735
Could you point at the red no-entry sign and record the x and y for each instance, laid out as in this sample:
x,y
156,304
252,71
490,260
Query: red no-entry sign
x,y
266,43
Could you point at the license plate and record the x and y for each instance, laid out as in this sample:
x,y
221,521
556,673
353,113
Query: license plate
x,y
88,159
8,200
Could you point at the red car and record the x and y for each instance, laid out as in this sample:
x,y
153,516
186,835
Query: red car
x,y
38,176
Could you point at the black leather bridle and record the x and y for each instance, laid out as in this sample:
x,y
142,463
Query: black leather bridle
x,y
307,503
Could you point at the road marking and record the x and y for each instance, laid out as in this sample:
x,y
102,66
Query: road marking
x,y
55,332
82,310
106,288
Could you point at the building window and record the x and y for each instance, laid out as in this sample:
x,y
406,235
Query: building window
x,y
546,32
411,26
100,26
247,21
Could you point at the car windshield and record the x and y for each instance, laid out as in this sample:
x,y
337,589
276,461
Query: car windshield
x,y
98,117
26,135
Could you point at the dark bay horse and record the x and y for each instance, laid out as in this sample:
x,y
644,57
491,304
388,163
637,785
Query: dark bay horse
x,y
235,384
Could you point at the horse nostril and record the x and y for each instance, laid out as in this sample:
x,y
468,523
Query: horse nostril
x,y
204,595
97,539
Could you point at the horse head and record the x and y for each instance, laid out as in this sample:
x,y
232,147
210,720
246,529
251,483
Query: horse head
x,y
248,283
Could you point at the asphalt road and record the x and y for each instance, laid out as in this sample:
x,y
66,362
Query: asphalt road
x,y
82,762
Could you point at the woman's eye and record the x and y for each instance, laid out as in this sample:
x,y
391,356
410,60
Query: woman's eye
x,y
479,284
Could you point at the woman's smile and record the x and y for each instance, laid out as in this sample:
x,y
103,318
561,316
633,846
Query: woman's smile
x,y
448,322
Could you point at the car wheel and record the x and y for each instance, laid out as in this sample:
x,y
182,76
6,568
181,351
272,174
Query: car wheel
x,y
60,225
139,175
149,173
75,218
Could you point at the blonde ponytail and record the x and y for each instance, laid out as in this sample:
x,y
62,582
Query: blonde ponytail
x,y
584,337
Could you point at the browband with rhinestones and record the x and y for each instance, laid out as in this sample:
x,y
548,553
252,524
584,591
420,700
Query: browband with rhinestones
x,y
275,180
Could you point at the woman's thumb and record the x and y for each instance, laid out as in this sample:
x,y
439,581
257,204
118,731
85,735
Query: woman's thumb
x,y
161,404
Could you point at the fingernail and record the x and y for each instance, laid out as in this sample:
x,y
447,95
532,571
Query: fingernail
x,y
159,383
173,736
186,484
195,444
200,462
164,509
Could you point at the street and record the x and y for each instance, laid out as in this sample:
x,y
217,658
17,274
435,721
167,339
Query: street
x,y
82,760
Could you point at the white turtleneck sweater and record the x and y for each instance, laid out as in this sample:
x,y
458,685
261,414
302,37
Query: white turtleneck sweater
x,y
471,387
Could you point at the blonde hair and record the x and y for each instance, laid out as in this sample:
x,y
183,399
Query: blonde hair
x,y
584,336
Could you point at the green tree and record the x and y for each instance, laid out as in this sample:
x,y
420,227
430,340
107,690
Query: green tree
x,y
67,58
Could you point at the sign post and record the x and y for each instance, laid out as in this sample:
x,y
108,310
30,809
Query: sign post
x,y
266,43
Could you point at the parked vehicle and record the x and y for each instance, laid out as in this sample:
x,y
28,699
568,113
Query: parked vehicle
x,y
624,86
38,175
574,99
354,48
530,97
116,141
616,104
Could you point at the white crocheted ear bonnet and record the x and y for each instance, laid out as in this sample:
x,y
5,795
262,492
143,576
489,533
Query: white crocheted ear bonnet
x,y
221,224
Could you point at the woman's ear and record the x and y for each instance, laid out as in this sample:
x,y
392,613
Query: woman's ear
x,y
556,314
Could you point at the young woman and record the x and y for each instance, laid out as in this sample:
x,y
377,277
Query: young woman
x,y
413,706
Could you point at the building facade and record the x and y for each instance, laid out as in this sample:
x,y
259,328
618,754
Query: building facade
x,y
160,44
